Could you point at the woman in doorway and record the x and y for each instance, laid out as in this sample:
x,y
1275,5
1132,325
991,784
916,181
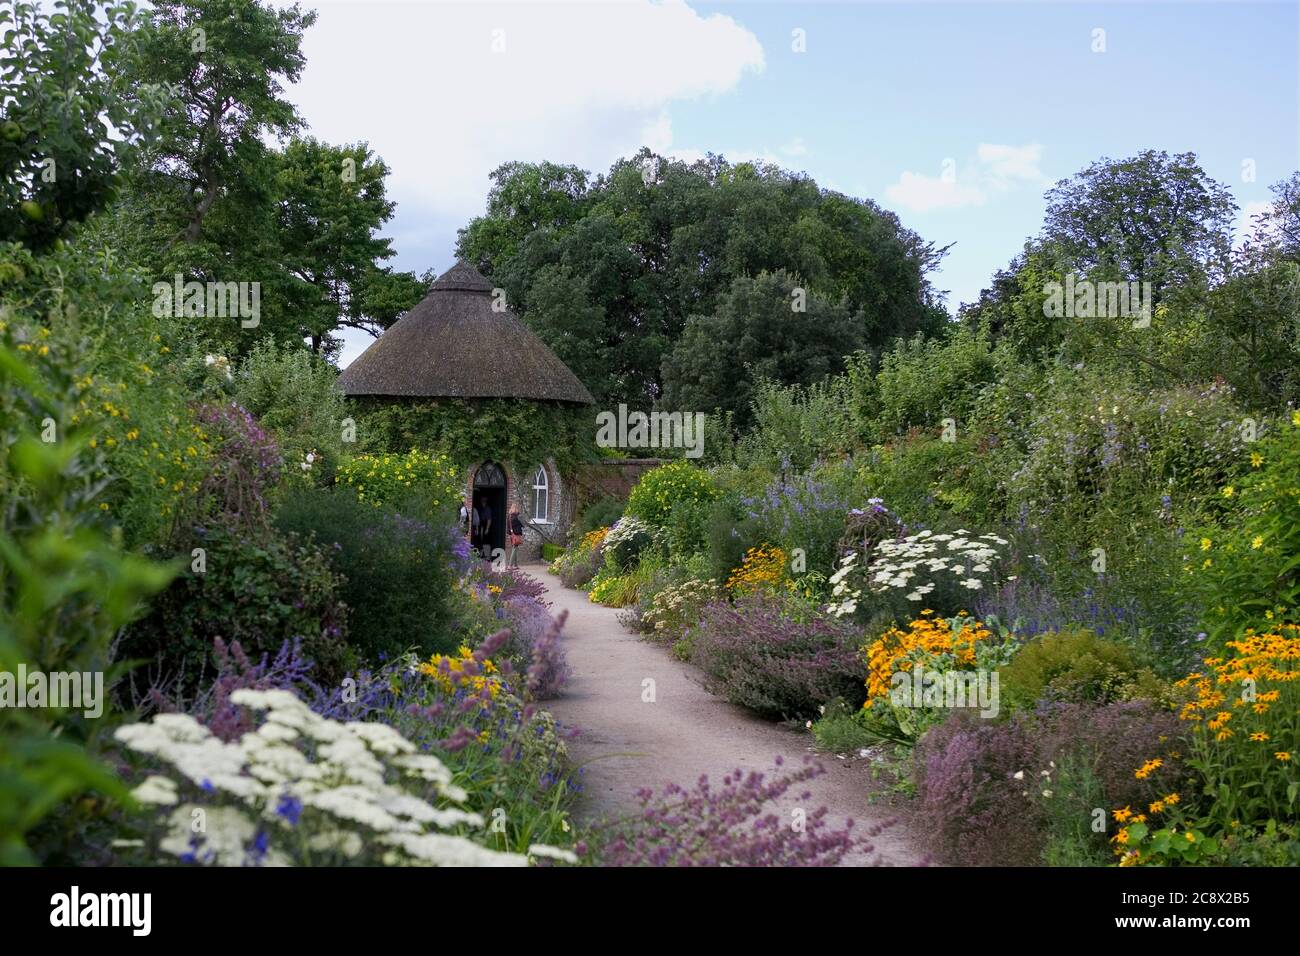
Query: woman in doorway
x,y
485,528
516,531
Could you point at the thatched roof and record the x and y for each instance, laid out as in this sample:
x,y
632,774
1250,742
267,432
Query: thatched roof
x,y
453,345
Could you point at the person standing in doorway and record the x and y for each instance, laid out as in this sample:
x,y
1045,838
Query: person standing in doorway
x,y
485,528
516,531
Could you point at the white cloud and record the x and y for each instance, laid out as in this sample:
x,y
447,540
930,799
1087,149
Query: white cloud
x,y
994,169
921,193
421,84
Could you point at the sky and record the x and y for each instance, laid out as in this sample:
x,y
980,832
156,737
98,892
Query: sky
x,y
955,116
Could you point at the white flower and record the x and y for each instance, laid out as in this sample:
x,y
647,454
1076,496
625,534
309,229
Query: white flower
x,y
972,583
552,853
1018,775
157,790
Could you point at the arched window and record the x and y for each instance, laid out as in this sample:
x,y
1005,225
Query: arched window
x,y
541,496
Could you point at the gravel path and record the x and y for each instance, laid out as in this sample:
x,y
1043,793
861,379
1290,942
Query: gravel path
x,y
624,743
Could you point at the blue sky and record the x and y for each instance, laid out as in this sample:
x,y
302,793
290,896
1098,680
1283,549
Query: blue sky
x,y
886,88
956,116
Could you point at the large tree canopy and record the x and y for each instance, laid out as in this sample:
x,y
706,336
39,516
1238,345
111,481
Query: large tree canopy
x,y
764,329
228,192
1149,218
609,269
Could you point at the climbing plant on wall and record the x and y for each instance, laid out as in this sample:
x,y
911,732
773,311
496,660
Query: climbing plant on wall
x,y
510,430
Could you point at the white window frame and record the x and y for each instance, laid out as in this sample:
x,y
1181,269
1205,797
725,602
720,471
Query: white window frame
x,y
541,483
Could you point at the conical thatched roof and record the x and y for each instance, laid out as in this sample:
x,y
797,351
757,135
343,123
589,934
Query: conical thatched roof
x,y
453,345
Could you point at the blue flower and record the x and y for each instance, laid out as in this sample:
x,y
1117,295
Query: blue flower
x,y
290,808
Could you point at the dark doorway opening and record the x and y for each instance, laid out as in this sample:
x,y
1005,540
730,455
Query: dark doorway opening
x,y
490,489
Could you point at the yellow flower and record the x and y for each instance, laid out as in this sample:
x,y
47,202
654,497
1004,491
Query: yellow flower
x,y
1229,491
1256,459
1206,544
1283,755
1121,816
1257,542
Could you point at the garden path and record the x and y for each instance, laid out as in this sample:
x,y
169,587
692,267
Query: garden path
x,y
624,744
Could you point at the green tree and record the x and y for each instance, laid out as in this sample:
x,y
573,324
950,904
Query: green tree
x,y
1149,218
60,86
655,241
331,203
767,328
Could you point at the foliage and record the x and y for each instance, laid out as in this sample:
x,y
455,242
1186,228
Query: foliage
x,y
615,587
524,433
609,268
1249,571
923,381
58,162
767,327
581,561
302,789
601,513
1076,665
793,426
66,588
728,825
663,488
937,647
397,568
776,656
258,590
551,551
77,315
1245,724
1150,217
390,478
293,395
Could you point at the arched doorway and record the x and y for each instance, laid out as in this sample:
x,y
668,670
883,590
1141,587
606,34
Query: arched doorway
x,y
490,489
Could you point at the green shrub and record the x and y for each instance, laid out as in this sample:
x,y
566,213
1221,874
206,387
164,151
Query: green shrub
x,y
397,571
260,590
599,514
122,389
731,535
923,381
840,731
1076,666
294,396
66,589
660,489
1249,571
626,541
551,551
388,479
